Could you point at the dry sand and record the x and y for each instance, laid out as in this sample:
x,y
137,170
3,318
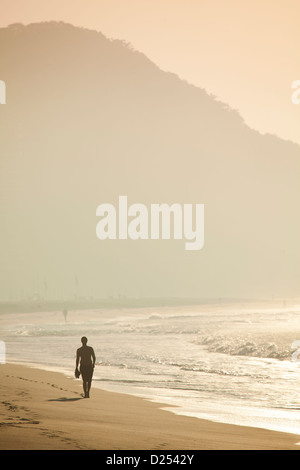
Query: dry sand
x,y
44,410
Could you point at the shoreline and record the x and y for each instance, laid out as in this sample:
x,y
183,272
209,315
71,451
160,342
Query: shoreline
x,y
42,409
165,402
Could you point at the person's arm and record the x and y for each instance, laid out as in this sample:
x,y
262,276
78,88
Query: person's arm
x,y
77,359
93,357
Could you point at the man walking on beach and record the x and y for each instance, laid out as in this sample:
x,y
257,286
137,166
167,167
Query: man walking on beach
x,y
86,356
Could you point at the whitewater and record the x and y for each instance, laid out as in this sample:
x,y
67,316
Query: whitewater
x,y
233,362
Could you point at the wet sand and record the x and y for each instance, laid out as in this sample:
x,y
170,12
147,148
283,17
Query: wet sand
x,y
45,410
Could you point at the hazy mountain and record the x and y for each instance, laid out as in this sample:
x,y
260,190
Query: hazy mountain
x,y
88,119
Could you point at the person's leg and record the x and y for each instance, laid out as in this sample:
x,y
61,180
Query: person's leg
x,y
87,374
89,383
84,380
89,380
84,387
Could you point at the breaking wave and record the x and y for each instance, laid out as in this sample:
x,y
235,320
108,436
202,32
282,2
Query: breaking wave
x,y
246,347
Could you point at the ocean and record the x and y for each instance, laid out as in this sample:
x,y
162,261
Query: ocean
x,y
226,362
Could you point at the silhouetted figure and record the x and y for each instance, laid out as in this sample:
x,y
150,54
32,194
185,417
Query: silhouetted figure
x,y
86,356
65,314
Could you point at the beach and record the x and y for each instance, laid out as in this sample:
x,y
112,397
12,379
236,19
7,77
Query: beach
x,y
44,410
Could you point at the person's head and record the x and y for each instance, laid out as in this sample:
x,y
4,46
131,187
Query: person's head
x,y
84,340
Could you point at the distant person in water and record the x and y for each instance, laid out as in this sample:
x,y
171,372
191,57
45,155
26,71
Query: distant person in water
x,y
65,314
86,357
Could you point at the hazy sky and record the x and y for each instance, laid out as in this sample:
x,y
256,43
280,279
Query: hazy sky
x,y
244,52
